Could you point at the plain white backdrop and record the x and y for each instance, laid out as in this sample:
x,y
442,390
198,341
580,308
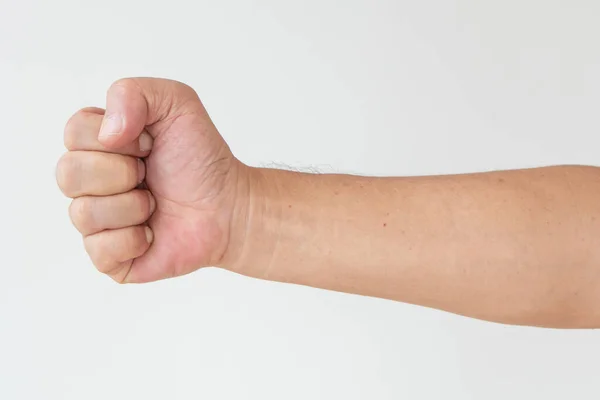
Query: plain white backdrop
x,y
361,86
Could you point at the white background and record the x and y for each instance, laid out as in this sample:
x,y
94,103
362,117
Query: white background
x,y
369,87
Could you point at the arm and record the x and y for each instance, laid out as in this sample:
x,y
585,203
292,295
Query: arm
x,y
518,247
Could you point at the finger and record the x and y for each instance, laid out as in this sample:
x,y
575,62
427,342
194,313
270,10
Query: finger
x,y
91,214
81,133
93,173
134,103
112,251
162,261
93,110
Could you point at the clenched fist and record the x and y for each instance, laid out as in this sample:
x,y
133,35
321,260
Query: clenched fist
x,y
155,187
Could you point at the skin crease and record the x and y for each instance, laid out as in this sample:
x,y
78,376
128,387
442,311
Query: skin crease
x,y
516,247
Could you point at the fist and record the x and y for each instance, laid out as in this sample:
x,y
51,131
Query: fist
x,y
154,186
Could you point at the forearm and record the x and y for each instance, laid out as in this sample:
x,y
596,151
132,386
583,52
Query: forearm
x,y
518,247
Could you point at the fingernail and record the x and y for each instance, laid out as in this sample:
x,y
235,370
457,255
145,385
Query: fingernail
x,y
141,170
152,202
112,124
145,142
149,234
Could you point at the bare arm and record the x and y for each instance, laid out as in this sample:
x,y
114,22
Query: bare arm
x,y
518,247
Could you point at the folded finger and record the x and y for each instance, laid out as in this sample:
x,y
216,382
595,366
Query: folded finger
x,y
81,133
112,251
93,173
93,214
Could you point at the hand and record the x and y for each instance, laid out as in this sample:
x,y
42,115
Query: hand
x,y
155,186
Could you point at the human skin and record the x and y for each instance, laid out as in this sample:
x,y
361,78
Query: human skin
x,y
517,247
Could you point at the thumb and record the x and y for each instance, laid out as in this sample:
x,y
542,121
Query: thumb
x,y
134,103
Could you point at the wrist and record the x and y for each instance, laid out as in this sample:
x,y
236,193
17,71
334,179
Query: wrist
x,y
255,220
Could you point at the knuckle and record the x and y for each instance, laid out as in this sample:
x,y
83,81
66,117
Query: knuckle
x,y
105,164
66,173
89,111
185,89
182,96
101,260
77,122
103,265
82,214
114,172
125,84
97,161
71,132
